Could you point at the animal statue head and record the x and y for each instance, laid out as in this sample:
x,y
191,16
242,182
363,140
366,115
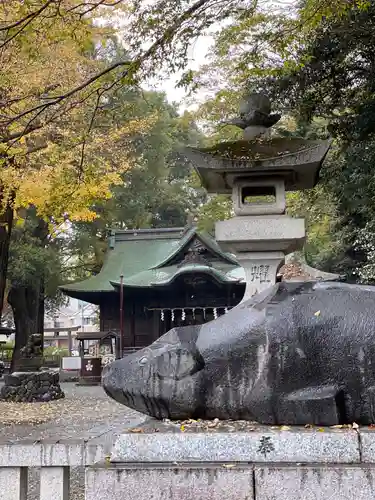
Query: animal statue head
x,y
297,353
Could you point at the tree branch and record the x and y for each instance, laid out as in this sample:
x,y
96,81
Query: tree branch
x,y
58,99
30,20
32,14
133,65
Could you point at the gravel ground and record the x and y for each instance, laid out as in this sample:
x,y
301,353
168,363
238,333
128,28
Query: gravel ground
x,y
85,413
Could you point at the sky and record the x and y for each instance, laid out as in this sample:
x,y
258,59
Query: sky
x,y
197,55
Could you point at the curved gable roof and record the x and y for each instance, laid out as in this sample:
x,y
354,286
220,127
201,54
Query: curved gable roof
x,y
139,254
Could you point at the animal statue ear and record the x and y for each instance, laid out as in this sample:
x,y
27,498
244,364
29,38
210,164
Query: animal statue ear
x,y
179,363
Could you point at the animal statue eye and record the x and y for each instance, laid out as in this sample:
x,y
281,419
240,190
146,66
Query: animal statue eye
x,y
143,360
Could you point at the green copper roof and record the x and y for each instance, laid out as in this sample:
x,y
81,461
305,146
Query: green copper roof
x,y
166,275
147,258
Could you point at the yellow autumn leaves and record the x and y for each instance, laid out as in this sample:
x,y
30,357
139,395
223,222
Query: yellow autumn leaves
x,y
58,157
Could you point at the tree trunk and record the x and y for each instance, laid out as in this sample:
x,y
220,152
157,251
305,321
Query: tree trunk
x,y
40,320
6,221
25,303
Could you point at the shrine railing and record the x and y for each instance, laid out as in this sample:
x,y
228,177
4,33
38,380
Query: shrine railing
x,y
53,460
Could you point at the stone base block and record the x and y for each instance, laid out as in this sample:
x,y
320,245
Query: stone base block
x,y
263,446
28,364
264,464
261,234
229,481
170,482
31,387
314,483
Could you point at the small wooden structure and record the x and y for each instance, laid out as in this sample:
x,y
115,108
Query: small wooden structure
x,y
102,350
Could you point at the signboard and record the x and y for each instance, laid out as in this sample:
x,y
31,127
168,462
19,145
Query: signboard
x,y
71,363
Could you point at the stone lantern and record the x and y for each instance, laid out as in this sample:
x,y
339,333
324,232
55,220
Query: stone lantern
x,y
258,171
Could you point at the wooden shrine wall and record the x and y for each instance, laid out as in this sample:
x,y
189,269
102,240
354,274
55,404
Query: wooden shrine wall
x,y
144,321
139,330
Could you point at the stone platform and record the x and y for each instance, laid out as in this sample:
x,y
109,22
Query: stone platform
x,y
265,464
24,387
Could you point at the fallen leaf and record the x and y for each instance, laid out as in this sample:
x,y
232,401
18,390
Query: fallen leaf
x,y
136,430
337,426
320,429
229,466
317,313
182,428
212,424
285,428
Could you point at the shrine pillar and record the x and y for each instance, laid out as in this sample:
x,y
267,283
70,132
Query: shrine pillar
x,y
260,234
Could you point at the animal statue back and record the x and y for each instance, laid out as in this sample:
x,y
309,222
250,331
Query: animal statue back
x,y
298,353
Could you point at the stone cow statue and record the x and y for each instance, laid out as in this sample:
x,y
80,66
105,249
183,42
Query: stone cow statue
x,y
297,353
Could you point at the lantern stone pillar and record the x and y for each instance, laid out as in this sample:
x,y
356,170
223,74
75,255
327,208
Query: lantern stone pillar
x,y
260,234
258,170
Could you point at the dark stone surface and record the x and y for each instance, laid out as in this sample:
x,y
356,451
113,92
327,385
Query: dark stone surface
x,y
31,355
28,364
31,387
255,110
298,353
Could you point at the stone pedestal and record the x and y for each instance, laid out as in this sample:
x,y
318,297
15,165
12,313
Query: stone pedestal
x,y
33,364
24,387
261,269
260,243
279,233
263,464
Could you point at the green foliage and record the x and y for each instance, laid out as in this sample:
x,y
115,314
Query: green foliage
x,y
158,191
55,351
318,208
34,258
317,67
6,351
217,208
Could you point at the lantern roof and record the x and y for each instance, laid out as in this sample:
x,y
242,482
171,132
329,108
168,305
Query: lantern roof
x,y
295,160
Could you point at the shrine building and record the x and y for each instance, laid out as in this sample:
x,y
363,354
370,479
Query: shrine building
x,y
171,277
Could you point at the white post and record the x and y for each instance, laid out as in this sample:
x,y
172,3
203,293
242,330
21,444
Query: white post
x,y
54,483
13,483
